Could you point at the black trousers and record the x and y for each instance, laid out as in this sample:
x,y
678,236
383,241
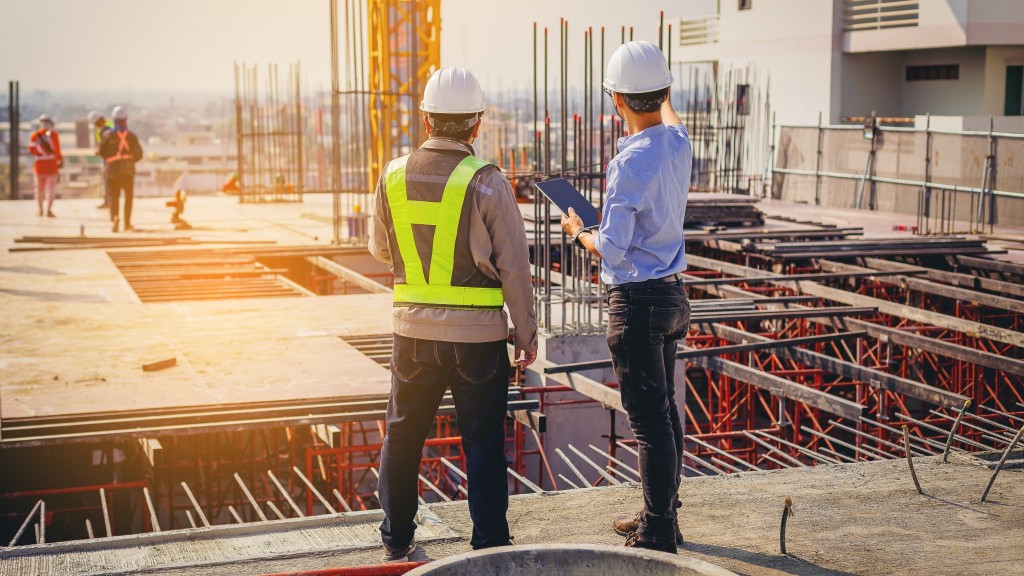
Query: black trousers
x,y
477,374
115,184
646,320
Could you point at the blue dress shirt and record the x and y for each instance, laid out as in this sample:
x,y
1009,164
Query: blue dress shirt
x,y
641,232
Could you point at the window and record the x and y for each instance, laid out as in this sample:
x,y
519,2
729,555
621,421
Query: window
x,y
1014,91
933,72
746,4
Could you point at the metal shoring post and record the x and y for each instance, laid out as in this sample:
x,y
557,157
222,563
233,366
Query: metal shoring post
x,y
273,508
106,512
152,509
628,468
313,489
341,500
563,47
287,496
195,504
28,519
961,438
573,468
458,471
248,496
600,470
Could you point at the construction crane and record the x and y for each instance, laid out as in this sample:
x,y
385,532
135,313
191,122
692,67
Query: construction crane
x,y
404,39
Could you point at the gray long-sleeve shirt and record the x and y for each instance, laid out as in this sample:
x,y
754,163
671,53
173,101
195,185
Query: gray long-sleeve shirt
x,y
499,247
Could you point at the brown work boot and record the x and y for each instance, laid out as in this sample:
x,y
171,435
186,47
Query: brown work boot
x,y
636,540
400,554
624,525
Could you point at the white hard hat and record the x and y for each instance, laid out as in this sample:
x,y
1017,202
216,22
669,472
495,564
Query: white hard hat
x,y
119,113
45,119
637,67
452,91
94,116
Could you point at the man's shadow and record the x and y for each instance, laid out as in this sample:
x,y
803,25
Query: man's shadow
x,y
782,562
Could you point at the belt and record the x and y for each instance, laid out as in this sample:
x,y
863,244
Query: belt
x,y
670,279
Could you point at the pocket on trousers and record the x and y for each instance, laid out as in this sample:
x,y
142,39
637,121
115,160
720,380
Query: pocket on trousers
x,y
403,358
477,363
665,321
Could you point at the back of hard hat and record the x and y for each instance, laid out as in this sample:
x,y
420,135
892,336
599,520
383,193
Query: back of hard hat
x,y
93,117
119,113
637,67
452,91
45,119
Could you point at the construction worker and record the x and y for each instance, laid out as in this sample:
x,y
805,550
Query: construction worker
x,y
233,184
448,224
640,243
120,151
100,127
44,144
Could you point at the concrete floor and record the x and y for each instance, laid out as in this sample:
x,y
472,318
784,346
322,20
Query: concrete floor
x,y
849,519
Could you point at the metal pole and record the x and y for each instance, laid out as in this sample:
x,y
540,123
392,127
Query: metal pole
x,y
13,115
999,466
335,128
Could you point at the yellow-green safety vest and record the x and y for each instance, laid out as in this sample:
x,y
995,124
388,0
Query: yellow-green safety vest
x,y
444,216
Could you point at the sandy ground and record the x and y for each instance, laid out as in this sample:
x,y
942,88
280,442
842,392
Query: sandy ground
x,y
849,519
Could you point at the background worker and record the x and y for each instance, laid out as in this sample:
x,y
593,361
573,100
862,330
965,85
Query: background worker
x,y
44,144
120,151
100,127
448,224
640,243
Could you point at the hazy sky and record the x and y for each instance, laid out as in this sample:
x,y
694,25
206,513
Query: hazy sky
x,y
189,45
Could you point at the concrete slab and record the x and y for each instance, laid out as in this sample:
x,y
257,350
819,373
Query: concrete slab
x,y
849,519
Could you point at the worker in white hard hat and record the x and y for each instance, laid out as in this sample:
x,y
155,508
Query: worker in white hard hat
x,y
101,126
120,151
44,144
448,224
640,243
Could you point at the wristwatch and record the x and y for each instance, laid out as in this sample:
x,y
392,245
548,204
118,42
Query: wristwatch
x,y
576,237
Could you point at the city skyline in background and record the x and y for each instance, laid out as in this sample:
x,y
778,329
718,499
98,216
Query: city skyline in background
x,y
116,49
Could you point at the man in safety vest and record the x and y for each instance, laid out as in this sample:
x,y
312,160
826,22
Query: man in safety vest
x,y
100,127
448,224
120,151
44,144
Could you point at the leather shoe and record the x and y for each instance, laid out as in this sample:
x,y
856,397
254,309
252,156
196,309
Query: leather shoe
x,y
399,554
636,540
625,524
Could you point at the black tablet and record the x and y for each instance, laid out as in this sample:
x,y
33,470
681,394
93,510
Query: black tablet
x,y
564,195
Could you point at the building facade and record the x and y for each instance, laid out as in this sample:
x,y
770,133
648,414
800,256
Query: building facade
x,y
961,61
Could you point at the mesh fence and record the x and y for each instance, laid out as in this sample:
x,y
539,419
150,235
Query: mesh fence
x,y
846,180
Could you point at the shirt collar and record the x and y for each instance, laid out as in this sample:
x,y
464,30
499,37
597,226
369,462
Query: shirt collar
x,y
627,141
440,143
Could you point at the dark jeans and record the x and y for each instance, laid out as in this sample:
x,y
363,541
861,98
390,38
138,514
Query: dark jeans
x,y
115,184
478,374
646,320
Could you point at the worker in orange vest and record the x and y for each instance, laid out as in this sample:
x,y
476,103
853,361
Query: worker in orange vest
x,y
233,185
120,151
44,144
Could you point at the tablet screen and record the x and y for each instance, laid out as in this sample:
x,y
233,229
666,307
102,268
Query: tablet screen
x,y
564,195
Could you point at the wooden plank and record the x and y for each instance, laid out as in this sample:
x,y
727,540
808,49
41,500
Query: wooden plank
x,y
851,370
782,387
953,278
971,328
929,287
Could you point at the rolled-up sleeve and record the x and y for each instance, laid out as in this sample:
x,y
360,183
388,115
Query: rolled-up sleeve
x,y
615,234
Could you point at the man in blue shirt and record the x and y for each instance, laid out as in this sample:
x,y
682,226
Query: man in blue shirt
x,y
640,243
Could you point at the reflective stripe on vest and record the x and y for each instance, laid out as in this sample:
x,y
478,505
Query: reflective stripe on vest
x,y
444,216
123,149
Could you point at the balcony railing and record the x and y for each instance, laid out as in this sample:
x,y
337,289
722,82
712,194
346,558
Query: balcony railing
x,y
881,14
698,31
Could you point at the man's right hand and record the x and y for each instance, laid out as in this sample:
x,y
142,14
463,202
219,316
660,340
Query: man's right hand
x,y
526,359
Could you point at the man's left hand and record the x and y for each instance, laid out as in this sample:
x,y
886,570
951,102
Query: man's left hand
x,y
571,222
